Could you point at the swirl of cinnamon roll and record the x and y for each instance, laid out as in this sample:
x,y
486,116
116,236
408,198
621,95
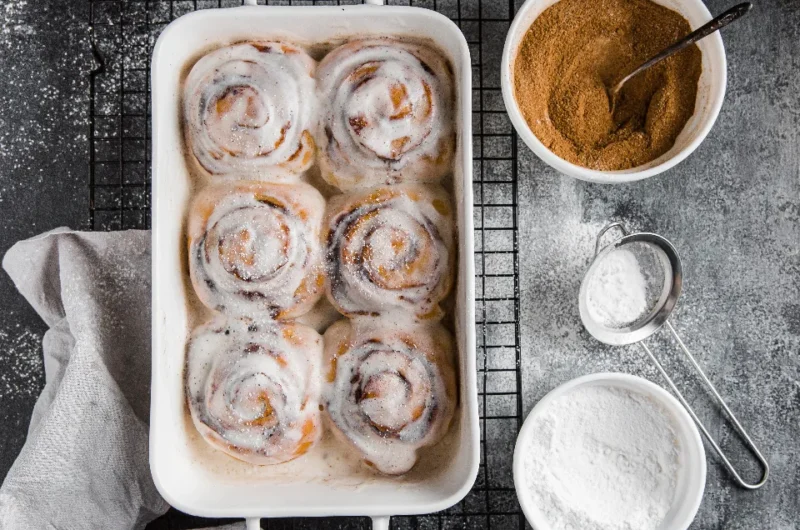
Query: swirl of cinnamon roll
x,y
390,248
254,248
250,110
253,389
390,390
388,117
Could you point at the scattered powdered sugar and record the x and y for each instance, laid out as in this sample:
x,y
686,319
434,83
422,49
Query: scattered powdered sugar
x,y
45,57
625,285
21,359
11,18
602,458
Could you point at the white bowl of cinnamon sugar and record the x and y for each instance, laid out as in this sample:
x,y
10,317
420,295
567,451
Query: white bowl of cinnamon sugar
x,y
559,57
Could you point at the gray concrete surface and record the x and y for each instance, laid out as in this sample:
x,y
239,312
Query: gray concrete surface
x,y
733,211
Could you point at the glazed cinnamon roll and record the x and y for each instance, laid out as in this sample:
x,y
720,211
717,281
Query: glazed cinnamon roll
x,y
391,389
250,110
388,114
253,389
388,249
254,248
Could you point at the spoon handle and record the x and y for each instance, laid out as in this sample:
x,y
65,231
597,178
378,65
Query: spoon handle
x,y
705,30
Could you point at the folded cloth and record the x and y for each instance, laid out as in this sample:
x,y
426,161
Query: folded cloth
x,y
85,461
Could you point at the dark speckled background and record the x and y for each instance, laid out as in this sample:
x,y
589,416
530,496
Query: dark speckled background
x,y
43,175
732,209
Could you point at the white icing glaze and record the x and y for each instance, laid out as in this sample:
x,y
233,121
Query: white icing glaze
x,y
253,388
388,114
254,248
390,248
250,110
391,388
331,461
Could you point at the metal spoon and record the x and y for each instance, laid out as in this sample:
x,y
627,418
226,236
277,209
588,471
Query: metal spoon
x,y
713,25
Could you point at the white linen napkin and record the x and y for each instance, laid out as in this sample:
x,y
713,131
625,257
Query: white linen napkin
x,y
85,461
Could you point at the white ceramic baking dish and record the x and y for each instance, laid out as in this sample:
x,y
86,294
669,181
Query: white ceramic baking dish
x,y
184,479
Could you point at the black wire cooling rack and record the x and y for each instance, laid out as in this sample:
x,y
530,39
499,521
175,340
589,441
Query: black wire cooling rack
x,y
123,34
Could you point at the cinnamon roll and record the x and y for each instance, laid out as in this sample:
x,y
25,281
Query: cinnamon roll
x,y
388,249
253,389
390,390
254,248
250,110
388,114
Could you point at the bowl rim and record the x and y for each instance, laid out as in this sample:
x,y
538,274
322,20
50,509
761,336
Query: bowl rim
x,y
698,473
717,55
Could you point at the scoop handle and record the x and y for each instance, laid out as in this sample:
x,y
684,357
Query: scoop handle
x,y
742,432
617,224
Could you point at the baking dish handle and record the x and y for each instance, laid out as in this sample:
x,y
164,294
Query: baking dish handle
x,y
380,523
372,2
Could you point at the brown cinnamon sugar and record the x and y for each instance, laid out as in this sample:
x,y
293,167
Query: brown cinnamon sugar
x,y
577,48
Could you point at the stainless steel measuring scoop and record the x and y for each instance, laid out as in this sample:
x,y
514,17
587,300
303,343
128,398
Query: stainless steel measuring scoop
x,y
661,266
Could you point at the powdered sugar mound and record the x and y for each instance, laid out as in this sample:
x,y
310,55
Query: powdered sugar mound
x,y
602,458
626,284
617,290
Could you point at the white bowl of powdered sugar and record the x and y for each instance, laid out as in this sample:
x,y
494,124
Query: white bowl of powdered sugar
x,y
609,452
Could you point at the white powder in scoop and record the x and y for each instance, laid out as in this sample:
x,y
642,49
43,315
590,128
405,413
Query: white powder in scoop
x,y
625,285
602,458
617,293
